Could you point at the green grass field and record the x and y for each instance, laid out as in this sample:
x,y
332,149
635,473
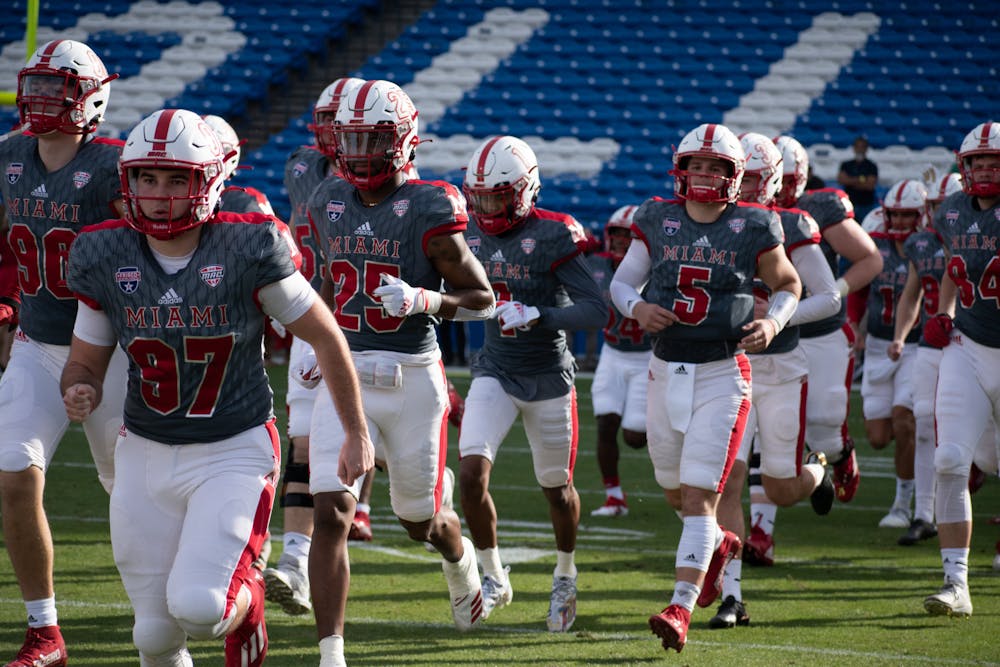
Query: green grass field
x,y
841,592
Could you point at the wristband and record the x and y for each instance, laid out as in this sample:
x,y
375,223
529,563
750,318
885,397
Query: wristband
x,y
843,287
782,307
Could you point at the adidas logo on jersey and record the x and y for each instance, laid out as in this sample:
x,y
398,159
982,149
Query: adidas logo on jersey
x,y
40,191
364,230
497,257
702,243
169,298
974,229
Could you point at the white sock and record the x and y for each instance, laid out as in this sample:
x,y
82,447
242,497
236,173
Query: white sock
x,y
331,647
763,515
614,492
296,545
685,594
923,469
731,578
565,567
956,566
490,560
41,612
365,508
904,493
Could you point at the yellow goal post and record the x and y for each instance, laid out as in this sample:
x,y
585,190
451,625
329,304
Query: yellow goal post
x,y
8,97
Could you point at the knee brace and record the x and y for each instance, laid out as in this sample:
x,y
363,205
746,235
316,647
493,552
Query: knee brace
x,y
950,459
157,639
295,473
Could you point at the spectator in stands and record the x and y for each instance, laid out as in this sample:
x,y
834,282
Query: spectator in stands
x,y
859,176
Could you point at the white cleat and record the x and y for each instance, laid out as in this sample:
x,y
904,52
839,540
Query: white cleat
x,y
288,587
496,594
562,604
951,600
464,589
612,507
898,517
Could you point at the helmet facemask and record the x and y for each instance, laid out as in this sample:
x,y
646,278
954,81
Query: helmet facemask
x,y
55,100
981,173
703,187
501,184
165,217
366,154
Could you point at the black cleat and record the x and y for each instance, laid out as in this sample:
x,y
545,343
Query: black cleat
x,y
731,613
918,531
822,497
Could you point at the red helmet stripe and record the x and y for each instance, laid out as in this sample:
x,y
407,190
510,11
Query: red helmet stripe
x,y
984,138
359,111
899,193
47,54
709,137
161,133
481,165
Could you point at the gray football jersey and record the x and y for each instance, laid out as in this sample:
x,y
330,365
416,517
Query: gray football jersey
x,y
799,229
196,372
44,213
238,199
828,207
926,255
359,243
621,333
885,289
703,272
538,263
306,168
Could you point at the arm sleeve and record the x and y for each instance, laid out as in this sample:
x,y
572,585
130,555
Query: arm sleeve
x,y
857,304
288,299
630,278
824,297
588,310
93,326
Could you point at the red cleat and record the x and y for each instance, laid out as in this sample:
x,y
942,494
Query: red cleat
x,y
247,645
671,625
43,647
712,587
759,548
846,475
361,528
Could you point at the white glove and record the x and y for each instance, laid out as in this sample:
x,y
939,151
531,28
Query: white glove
x,y
279,328
516,315
399,299
306,370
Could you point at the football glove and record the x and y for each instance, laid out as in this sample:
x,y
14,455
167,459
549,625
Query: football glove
x,y
399,299
937,330
306,370
516,315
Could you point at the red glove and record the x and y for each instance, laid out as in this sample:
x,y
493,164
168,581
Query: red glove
x,y
8,315
457,406
937,330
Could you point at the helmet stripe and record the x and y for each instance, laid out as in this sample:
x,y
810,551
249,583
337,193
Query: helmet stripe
x,y
481,165
160,134
984,138
361,105
899,193
49,50
709,137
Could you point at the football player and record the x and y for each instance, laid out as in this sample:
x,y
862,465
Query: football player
x,y
544,287
699,254
619,387
388,243
235,198
185,290
58,178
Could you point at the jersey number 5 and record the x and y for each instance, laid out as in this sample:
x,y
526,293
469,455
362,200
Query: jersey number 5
x,y
692,306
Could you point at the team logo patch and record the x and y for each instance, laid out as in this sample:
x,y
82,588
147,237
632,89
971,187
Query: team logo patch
x,y
921,244
212,275
127,278
737,225
334,209
671,226
473,242
81,178
299,168
951,217
528,246
401,207
14,171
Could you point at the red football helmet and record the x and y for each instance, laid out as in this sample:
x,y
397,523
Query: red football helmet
x,y
375,131
983,178
620,219
501,183
709,141
903,208
172,139
64,87
325,111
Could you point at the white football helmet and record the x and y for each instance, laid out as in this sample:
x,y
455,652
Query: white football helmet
x,y
173,139
714,141
375,131
230,142
325,110
939,189
501,183
984,180
764,160
64,87
874,221
620,219
795,166
907,197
